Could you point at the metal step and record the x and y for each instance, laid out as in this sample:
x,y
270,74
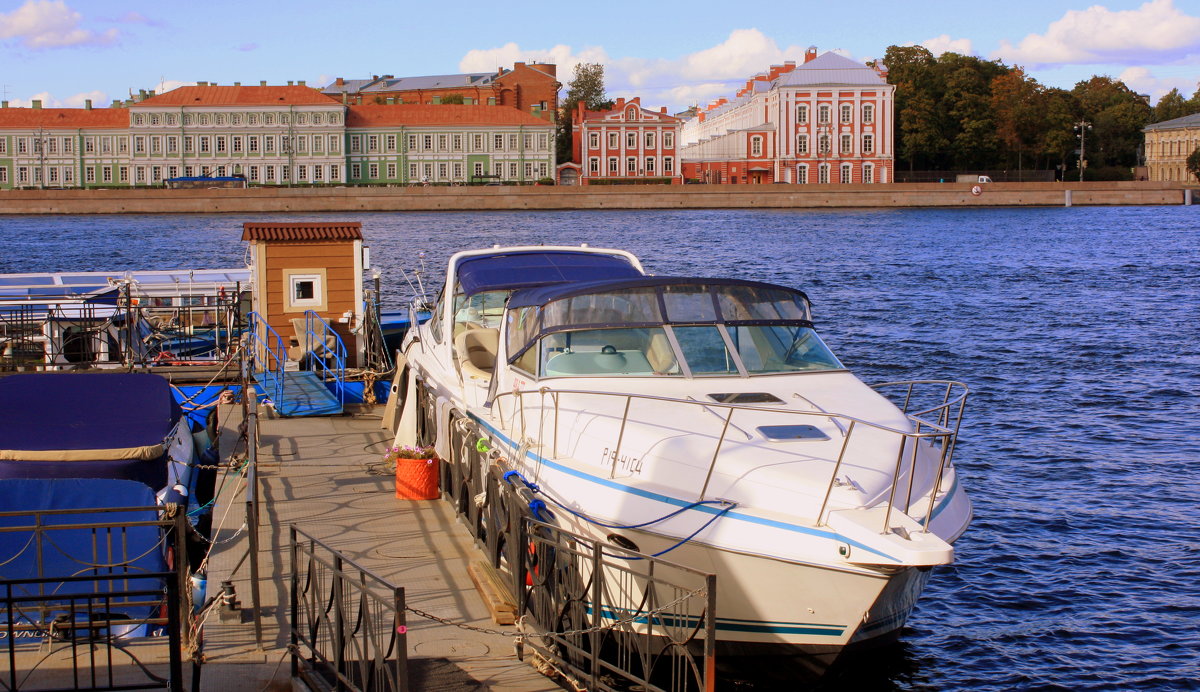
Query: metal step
x,y
304,394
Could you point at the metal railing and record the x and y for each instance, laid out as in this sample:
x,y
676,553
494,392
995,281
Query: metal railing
x,y
613,618
935,427
348,629
96,610
267,351
328,352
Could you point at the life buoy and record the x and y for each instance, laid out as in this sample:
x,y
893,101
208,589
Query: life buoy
x,y
977,190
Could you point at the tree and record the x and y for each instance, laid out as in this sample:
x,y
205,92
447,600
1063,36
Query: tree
x,y
1172,105
453,98
1193,163
1118,114
586,87
1015,102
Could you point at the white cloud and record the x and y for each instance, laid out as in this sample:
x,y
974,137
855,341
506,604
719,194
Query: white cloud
x,y
944,44
1155,31
42,24
170,85
488,59
99,100
1143,81
695,78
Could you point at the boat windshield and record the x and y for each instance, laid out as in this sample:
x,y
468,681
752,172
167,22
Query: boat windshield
x,y
693,330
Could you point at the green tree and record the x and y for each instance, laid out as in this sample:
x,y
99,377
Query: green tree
x,y
1193,163
587,87
1015,102
1118,115
1172,105
1058,111
453,98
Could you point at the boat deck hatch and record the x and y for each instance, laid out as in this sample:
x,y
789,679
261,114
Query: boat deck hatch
x,y
745,398
784,433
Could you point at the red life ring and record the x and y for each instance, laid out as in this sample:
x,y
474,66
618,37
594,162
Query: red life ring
x,y
976,190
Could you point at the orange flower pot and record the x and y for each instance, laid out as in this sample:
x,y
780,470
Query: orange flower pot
x,y
417,479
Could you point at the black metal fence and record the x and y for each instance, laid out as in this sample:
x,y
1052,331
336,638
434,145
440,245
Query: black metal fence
x,y
83,600
348,630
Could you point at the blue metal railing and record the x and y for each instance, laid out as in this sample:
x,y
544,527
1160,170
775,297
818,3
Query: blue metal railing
x,y
328,352
267,349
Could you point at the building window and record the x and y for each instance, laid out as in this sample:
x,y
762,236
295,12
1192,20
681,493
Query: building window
x,y
847,113
529,170
477,143
355,170
139,145
316,140
823,174
649,165
220,144
254,173
355,144
318,171
52,175
334,146
391,171
594,140
498,142
269,144
801,144
269,173
543,142
156,145
123,174
334,173
139,119
868,115
204,145
89,145
802,175
106,173
373,171
172,171
412,171
302,172
823,114
301,142
668,165
613,166
631,165
756,146
649,140
172,145
868,173
456,142
22,174
847,144
89,175
426,172
823,144
441,143
189,144
373,143
458,170
613,140
252,144
477,169
668,140
512,145
391,142
237,145
122,145
846,173
594,165
512,171
868,146
304,290
631,140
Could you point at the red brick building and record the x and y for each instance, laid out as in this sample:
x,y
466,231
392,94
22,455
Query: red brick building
x,y
628,143
828,120
531,88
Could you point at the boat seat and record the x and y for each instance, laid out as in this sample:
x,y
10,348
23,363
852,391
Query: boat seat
x,y
660,355
476,350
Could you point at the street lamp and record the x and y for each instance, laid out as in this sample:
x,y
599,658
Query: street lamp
x,y
1081,129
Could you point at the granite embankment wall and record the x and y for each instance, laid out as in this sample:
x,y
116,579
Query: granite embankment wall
x,y
501,198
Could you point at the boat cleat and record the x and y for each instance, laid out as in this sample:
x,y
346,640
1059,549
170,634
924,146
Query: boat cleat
x,y
904,543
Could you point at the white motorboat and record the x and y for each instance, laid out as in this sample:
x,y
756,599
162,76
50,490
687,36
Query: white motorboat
x,y
703,420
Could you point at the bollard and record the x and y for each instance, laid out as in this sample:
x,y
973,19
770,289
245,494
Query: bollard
x,y
1066,198
1187,197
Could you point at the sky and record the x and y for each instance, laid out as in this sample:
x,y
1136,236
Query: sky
x,y
670,54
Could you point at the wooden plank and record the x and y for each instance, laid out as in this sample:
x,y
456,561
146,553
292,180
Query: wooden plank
x,y
494,592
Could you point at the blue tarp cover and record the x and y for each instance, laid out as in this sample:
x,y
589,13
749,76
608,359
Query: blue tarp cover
x,y
78,412
537,268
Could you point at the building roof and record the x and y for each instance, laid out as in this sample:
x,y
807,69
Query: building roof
x,y
1186,121
390,83
831,69
345,230
438,114
64,118
240,96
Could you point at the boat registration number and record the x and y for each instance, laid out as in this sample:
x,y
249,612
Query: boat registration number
x,y
626,463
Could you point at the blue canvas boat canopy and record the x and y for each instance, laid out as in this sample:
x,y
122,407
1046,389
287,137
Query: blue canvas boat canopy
x,y
523,269
68,425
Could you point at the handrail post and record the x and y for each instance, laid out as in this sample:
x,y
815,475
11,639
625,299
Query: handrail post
x,y
887,517
833,476
620,436
716,452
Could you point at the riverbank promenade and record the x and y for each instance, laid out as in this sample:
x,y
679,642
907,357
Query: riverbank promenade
x,y
551,198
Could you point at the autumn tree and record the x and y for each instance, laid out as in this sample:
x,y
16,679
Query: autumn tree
x,y
587,87
1015,101
1118,115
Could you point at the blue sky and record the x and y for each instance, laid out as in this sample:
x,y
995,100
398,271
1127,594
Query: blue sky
x,y
670,54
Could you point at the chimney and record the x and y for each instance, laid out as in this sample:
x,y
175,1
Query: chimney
x,y
663,110
237,83
3,104
87,104
340,82
301,82
290,83
518,64
203,84
150,94
262,82
345,99
37,104
810,54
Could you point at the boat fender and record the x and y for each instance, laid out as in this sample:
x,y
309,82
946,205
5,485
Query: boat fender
x,y
508,478
481,446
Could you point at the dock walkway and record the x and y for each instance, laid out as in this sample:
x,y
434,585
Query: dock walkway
x,y
324,475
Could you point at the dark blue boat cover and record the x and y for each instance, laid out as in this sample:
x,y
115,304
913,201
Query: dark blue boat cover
x,y
538,268
114,414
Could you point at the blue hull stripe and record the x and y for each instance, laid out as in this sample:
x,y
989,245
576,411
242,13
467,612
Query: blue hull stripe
x,y
728,624
708,509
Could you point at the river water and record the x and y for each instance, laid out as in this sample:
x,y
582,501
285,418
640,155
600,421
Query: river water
x,y
1075,328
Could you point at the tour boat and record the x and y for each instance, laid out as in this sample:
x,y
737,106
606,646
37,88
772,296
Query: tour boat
x,y
706,418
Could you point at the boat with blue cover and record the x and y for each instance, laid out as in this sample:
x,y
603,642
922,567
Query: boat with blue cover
x,y
700,419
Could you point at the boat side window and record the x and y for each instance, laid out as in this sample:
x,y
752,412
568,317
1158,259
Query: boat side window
x,y
781,348
689,304
478,311
754,303
636,351
435,319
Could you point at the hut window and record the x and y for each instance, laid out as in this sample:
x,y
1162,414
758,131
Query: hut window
x,y
305,291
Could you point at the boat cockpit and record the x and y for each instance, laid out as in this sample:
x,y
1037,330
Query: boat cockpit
x,y
663,326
